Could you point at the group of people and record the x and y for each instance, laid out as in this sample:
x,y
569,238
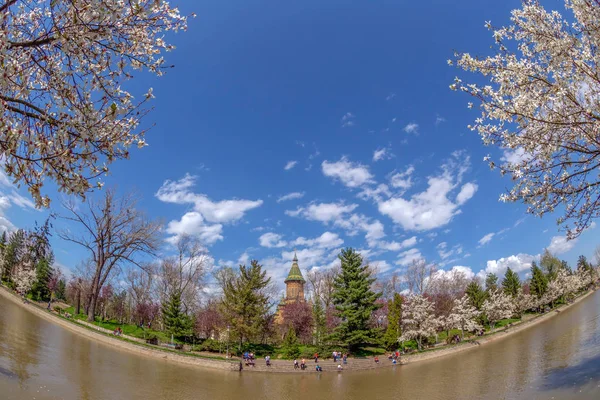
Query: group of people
x,y
339,355
249,359
302,364
118,331
394,357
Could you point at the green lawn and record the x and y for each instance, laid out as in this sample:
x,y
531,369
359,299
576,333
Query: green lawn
x,y
128,329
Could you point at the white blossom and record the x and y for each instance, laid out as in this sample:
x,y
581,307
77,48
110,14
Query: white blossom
x,y
418,319
64,111
24,278
498,306
463,316
542,104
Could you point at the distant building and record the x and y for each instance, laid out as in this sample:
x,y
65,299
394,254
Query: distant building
x,y
294,289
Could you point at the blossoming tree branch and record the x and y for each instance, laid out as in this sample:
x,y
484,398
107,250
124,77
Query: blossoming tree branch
x,y
64,110
543,106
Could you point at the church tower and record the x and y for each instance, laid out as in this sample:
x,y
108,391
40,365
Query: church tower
x,y
294,283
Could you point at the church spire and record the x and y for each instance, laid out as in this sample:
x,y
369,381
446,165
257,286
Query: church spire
x,y
295,274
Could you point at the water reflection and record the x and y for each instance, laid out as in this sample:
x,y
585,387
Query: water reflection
x,y
559,358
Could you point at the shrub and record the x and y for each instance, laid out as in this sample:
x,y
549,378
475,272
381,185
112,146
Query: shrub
x,y
211,345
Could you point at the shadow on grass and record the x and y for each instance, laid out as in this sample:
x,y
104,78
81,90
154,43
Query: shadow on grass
x,y
573,376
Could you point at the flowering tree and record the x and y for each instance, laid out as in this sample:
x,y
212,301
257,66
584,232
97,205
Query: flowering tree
x,y
64,113
542,108
24,278
498,306
464,315
418,319
524,302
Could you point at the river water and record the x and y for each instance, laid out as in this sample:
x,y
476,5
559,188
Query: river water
x,y
557,359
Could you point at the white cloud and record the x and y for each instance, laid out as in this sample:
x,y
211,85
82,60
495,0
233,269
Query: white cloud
x,y
518,263
390,96
408,256
290,164
439,120
376,194
560,244
348,120
192,223
402,180
445,253
326,241
395,246
271,240
323,212
486,239
466,271
432,208
515,156
350,174
205,210
382,154
412,128
291,196
466,192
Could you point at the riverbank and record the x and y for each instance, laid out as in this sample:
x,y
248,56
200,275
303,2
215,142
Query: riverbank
x,y
133,347
282,366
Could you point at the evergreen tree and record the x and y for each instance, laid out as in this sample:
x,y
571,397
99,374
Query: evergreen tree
x,y
491,282
176,321
511,283
13,253
550,265
539,281
565,265
290,345
476,294
44,272
245,303
354,301
320,322
393,331
61,290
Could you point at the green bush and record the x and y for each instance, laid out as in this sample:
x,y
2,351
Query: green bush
x,y
58,310
211,345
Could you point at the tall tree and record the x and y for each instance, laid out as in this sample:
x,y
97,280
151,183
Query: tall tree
x,y
13,254
246,303
319,321
418,274
491,282
539,282
114,232
290,345
511,284
177,322
354,301
78,56
393,331
540,105
476,294
550,264
41,288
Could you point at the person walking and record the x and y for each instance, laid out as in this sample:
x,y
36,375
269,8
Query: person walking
x,y
345,358
316,357
295,364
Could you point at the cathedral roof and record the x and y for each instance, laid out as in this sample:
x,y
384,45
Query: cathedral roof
x,y
295,275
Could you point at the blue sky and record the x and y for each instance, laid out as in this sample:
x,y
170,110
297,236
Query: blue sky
x,y
343,108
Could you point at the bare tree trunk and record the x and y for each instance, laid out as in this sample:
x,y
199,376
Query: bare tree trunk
x,y
78,306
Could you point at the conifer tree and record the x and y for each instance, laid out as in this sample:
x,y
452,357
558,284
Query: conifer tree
x,y
245,303
12,254
176,321
290,345
476,294
40,289
319,320
61,290
393,331
491,282
539,281
511,283
354,301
